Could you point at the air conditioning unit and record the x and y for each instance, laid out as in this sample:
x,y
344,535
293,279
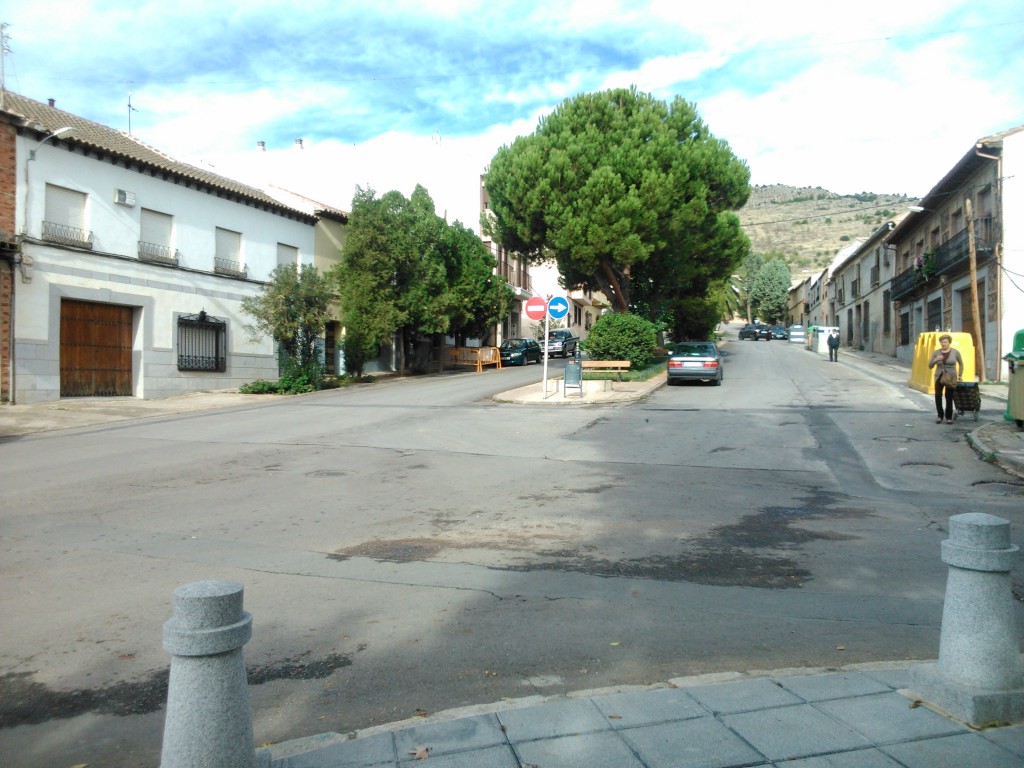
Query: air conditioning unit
x,y
124,197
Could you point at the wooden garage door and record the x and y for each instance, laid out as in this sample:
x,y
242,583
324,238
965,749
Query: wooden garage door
x,y
95,349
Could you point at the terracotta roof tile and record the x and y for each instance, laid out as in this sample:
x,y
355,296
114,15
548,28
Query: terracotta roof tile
x,y
42,117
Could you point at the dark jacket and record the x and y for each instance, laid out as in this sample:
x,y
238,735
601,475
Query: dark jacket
x,y
833,341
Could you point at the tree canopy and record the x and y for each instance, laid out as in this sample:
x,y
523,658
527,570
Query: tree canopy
x,y
629,195
405,271
769,289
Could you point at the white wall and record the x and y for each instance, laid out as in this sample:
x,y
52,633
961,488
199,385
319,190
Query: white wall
x,y
196,213
158,294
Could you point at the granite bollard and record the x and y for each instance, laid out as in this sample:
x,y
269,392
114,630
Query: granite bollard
x,y
209,718
979,677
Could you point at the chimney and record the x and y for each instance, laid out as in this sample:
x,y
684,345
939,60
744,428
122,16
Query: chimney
x,y
261,146
298,143
52,102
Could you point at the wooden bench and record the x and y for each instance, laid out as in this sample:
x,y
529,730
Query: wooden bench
x,y
617,367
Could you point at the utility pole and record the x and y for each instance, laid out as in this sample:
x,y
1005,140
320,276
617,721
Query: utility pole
x,y
4,50
972,260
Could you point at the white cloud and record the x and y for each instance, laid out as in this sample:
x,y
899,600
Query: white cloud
x,y
666,71
876,96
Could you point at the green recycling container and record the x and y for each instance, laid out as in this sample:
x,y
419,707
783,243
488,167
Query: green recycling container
x,y
1015,397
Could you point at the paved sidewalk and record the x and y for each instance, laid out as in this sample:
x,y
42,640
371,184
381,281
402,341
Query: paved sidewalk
x,y
856,717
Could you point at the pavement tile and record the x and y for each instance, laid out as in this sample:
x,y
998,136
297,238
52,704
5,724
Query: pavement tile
x,y
785,733
742,696
1011,738
474,732
835,685
861,758
889,717
492,757
626,710
376,750
703,743
894,678
559,718
968,750
596,750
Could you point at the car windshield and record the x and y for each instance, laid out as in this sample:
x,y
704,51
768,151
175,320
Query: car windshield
x,y
693,350
513,344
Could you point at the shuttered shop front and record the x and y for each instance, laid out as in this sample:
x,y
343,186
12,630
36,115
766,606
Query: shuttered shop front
x,y
95,349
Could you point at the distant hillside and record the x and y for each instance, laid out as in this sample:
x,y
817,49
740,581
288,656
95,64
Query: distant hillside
x,y
807,225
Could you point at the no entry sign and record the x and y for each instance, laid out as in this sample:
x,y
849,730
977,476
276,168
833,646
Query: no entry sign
x,y
536,307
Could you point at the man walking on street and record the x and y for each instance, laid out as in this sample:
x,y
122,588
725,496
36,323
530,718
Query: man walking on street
x,y
833,345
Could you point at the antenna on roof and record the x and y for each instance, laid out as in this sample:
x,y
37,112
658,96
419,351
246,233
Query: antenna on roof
x,y
130,110
130,107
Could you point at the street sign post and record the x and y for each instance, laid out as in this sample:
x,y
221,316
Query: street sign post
x,y
536,308
558,307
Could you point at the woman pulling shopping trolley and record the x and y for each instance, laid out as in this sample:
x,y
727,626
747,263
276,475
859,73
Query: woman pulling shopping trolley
x,y
948,365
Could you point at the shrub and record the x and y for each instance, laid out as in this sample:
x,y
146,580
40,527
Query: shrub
x,y
621,336
259,387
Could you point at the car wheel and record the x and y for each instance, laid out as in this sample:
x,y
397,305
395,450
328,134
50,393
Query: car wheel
x,y
718,382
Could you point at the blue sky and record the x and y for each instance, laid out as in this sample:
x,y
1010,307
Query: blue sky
x,y
881,96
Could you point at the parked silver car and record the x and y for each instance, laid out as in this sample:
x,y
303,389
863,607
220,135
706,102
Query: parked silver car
x,y
695,361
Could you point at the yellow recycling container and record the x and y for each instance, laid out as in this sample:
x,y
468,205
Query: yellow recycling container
x,y
922,378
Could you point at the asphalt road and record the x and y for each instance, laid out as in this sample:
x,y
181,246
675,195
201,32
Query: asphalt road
x,y
414,546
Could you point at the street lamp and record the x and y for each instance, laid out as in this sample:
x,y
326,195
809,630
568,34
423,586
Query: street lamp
x,y
60,133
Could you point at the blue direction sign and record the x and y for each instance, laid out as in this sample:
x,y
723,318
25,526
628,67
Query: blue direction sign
x,y
558,307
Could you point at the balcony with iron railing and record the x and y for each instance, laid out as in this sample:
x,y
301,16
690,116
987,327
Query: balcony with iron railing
x,y
62,234
946,258
229,268
157,254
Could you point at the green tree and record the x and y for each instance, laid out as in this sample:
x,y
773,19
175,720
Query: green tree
x,y
695,317
752,264
769,291
476,297
391,280
406,272
629,195
292,308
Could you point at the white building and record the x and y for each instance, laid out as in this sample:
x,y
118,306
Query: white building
x,y
959,256
128,267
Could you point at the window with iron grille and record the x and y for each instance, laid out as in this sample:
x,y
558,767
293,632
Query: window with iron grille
x,y
202,343
155,235
64,219
227,258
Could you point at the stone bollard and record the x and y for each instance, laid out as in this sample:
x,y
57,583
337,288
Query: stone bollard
x,y
209,719
979,677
